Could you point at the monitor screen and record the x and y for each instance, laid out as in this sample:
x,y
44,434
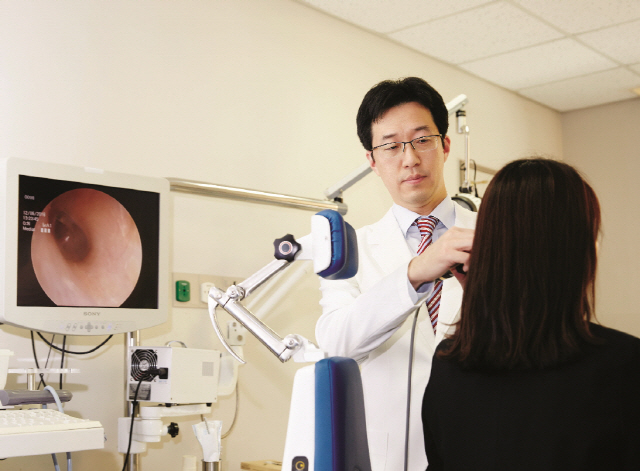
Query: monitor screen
x,y
85,251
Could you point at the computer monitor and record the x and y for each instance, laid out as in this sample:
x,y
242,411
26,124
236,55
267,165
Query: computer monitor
x,y
82,251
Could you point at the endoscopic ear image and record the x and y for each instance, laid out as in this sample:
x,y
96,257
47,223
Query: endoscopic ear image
x,y
86,250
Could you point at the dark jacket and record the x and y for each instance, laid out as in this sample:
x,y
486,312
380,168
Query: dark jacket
x,y
582,415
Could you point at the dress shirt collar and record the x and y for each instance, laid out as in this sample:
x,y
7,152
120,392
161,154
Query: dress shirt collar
x,y
445,212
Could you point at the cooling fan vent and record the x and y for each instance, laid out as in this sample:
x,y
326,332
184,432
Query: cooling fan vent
x,y
141,362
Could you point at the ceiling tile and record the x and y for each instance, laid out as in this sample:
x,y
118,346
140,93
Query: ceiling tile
x,y
621,42
384,16
474,34
563,53
549,62
579,16
582,92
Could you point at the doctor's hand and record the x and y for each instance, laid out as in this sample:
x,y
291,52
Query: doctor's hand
x,y
448,251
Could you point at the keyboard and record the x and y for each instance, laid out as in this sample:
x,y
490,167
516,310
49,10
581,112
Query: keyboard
x,y
40,420
41,431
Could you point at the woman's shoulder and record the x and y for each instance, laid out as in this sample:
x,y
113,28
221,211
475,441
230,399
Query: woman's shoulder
x,y
620,344
607,333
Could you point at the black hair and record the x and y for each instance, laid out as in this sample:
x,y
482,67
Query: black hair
x,y
391,93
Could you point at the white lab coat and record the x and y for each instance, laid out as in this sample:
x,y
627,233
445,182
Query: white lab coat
x,y
368,318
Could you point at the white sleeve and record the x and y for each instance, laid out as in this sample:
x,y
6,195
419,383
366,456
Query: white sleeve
x,y
354,323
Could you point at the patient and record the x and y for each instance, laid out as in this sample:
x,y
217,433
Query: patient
x,y
527,381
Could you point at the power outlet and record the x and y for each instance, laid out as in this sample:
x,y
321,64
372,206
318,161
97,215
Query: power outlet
x,y
198,287
204,291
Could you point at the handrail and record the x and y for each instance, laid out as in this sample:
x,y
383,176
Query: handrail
x,y
254,196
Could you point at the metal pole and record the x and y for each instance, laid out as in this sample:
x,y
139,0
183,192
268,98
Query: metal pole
x,y
132,340
210,465
254,196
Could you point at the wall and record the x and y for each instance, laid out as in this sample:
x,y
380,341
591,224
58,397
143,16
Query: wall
x,y
249,93
603,142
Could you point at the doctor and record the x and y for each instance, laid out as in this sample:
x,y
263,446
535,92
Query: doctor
x,y
403,126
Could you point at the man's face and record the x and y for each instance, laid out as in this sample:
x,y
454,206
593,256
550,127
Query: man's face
x,y
414,179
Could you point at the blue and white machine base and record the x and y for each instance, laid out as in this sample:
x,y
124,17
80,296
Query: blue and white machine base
x,y
327,428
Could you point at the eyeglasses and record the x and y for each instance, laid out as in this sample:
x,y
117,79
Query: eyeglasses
x,y
419,144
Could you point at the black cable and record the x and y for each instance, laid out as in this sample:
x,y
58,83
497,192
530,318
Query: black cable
x,y
63,350
35,357
153,372
64,341
133,416
46,364
69,351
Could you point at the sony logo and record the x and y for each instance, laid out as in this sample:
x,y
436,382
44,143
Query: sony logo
x,y
91,313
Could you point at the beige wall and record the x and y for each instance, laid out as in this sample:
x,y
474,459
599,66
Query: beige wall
x,y
604,143
250,93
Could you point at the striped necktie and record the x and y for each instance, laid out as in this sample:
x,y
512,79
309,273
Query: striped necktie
x,y
426,226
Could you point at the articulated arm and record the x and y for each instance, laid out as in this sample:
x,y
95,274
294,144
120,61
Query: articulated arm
x,y
333,248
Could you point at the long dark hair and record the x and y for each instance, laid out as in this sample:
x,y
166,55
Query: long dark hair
x,y
530,291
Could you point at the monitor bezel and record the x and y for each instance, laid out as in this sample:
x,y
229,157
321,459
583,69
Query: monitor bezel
x,y
76,320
